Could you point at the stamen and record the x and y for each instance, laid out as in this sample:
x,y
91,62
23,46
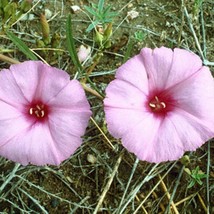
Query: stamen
x,y
157,105
37,111
152,105
156,98
163,104
42,113
31,111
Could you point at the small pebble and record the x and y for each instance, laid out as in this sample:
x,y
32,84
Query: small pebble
x,y
75,8
48,14
91,158
132,14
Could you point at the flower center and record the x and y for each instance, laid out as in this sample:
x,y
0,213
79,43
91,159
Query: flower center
x,y
38,110
157,105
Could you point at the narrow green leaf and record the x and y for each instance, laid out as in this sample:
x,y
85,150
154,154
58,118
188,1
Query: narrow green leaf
x,y
71,45
129,48
22,46
91,26
100,5
90,10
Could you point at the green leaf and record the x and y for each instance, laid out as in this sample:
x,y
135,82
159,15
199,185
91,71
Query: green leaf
x,y
91,26
100,5
112,14
129,48
191,184
90,10
22,46
71,45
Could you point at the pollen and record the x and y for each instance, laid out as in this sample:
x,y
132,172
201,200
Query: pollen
x,y
157,105
38,111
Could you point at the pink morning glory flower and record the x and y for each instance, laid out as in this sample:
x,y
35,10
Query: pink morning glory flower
x,y
43,114
161,104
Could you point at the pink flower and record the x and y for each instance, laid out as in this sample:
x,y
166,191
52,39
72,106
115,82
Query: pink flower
x,y
161,104
43,114
83,53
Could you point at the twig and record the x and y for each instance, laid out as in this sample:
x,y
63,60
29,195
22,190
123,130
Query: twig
x,y
129,181
167,194
185,199
175,188
161,204
108,184
92,91
205,61
12,175
203,30
35,201
182,23
207,178
143,208
193,32
144,200
112,146
202,203
8,59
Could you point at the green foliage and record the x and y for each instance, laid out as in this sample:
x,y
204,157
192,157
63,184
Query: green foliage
x,y
71,45
139,36
196,8
21,45
11,11
195,176
101,15
101,23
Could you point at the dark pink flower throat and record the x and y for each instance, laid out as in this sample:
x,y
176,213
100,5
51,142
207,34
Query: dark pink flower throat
x,y
38,110
160,103
157,105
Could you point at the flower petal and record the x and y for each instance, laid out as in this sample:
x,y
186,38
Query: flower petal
x,y
184,65
139,138
158,64
167,139
10,91
192,131
45,81
34,145
67,128
122,94
121,121
8,111
195,95
133,72
11,126
166,67
71,97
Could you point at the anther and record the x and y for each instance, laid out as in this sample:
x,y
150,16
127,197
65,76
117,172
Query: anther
x,y
163,104
31,111
37,111
156,104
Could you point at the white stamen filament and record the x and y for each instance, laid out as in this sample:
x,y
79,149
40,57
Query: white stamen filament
x,y
156,104
38,111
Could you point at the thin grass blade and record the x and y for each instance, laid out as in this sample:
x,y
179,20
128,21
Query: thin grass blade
x,y
22,46
71,45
